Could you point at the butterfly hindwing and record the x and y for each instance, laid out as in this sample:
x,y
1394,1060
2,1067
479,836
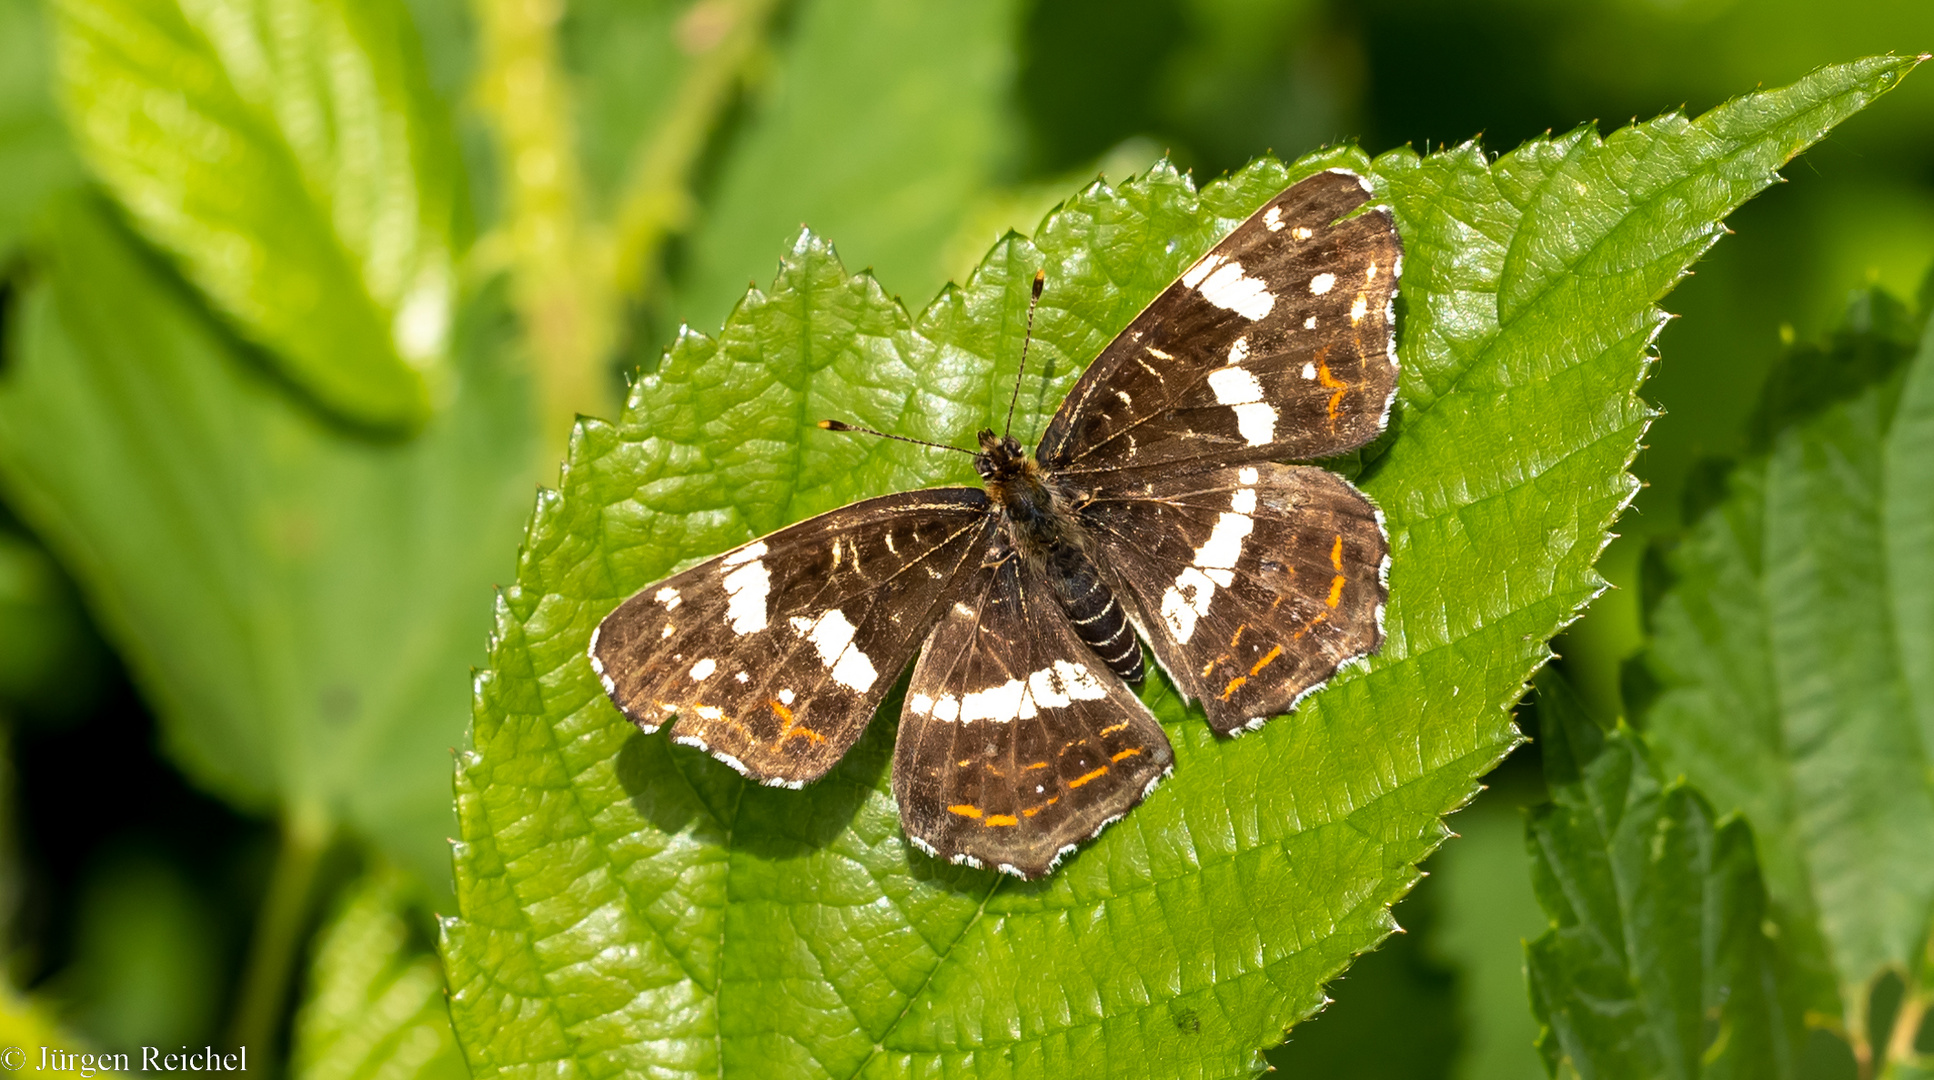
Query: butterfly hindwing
x,y
1254,583
773,656
1275,345
1017,742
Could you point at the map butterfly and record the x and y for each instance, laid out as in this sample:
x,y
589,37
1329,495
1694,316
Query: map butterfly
x,y
1154,506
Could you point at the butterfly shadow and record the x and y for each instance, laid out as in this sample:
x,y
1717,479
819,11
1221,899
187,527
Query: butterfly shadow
x,y
682,790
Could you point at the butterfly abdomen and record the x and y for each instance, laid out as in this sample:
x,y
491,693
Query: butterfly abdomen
x,y
1095,611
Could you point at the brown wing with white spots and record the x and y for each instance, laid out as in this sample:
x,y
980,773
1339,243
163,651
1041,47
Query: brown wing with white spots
x,y
1016,742
773,656
1276,345
1253,584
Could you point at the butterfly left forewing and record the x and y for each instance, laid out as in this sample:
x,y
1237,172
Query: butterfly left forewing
x,y
1253,584
1016,742
773,656
1275,345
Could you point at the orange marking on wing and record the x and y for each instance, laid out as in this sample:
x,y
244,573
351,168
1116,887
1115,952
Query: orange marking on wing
x,y
1211,665
1323,376
1001,819
1085,777
1036,765
964,762
1114,728
1130,752
1310,625
1336,589
1234,685
1033,810
1234,641
793,727
1336,554
1267,660
965,811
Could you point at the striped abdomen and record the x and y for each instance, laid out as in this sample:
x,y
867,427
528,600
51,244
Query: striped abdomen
x,y
1098,617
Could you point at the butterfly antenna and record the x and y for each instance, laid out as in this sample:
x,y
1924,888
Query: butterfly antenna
x,y
1040,282
837,425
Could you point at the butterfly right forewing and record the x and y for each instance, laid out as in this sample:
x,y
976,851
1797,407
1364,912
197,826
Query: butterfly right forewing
x,y
1276,345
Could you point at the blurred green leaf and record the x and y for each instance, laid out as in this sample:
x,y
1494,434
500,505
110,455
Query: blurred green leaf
x,y
298,603
885,157
34,158
375,1007
631,905
289,154
1655,964
1487,911
1793,651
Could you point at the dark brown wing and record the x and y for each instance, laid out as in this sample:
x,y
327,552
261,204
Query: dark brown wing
x,y
1253,584
1276,345
1017,742
773,656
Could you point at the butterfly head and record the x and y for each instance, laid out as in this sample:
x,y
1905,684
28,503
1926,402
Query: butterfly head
x,y
1001,457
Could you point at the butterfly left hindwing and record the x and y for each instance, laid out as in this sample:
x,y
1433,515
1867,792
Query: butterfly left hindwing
x,y
1017,742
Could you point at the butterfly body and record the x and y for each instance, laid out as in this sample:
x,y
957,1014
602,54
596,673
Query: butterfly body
x,y
1154,502
1040,525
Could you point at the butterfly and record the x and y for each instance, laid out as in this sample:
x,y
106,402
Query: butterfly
x,y
1155,507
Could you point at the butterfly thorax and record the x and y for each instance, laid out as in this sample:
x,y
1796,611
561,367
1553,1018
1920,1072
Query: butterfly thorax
x,y
1039,525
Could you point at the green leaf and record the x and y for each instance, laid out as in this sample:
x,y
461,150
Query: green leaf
x,y
375,1005
297,602
1655,964
1487,913
35,161
1793,652
886,160
631,905
289,154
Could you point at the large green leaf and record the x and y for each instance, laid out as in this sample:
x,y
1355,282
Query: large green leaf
x,y
289,154
887,160
1655,964
375,1007
298,603
631,905
1793,653
34,159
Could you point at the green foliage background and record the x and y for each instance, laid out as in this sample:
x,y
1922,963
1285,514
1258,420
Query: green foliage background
x,y
302,295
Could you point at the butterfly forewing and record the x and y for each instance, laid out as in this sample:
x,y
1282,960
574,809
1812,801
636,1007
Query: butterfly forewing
x,y
1254,583
1017,742
1275,345
773,656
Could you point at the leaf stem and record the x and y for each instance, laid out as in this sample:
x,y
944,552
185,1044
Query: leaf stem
x,y
1912,1011
559,286
571,278
262,997
724,38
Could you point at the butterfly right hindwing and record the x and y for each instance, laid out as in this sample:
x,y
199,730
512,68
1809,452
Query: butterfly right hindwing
x,y
1017,742
1255,583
